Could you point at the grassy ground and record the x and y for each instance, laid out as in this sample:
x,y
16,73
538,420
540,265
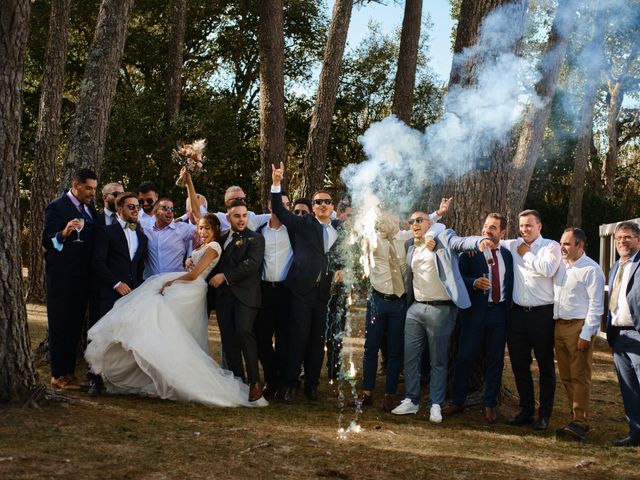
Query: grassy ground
x,y
119,437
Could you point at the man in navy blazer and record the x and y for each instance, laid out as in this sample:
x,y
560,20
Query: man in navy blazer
x,y
309,280
67,272
484,324
623,325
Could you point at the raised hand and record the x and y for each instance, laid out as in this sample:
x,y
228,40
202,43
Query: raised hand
x,y
277,174
486,244
444,206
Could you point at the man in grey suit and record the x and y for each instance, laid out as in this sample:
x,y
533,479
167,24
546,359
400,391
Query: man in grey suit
x,y
435,290
623,325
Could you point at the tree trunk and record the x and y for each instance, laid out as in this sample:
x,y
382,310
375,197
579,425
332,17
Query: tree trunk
x,y
43,186
176,48
97,91
17,374
614,104
585,127
407,61
272,126
537,116
320,128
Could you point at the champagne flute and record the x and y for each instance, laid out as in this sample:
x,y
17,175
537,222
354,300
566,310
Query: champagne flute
x,y
79,228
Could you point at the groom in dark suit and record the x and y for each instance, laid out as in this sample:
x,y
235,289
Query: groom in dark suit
x,y
309,280
484,325
236,279
119,254
68,261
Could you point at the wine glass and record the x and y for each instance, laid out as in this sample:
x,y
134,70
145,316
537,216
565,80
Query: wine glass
x,y
79,228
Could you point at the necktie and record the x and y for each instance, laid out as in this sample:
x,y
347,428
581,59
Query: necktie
x,y
396,271
615,290
325,237
495,279
85,214
114,217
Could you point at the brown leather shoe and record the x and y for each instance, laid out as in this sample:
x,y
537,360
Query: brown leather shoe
x,y
255,392
491,414
365,399
65,382
452,409
387,403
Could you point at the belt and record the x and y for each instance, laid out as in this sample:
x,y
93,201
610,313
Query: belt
x,y
531,309
436,302
387,297
624,328
273,284
569,320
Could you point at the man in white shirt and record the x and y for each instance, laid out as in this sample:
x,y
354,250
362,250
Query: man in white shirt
x,y
535,261
577,307
623,325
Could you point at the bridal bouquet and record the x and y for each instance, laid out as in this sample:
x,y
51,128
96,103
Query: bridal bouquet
x,y
190,157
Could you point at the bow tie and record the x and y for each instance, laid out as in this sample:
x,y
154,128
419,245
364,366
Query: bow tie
x,y
131,225
419,241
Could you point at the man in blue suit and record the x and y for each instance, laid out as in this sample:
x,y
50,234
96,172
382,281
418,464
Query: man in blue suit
x,y
435,290
485,323
623,325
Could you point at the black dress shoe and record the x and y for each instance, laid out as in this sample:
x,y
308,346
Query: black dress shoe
x,y
290,394
626,442
520,419
542,423
312,394
95,389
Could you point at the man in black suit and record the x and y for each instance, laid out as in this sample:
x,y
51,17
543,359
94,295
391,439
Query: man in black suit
x,y
69,228
238,298
110,193
489,281
309,279
119,254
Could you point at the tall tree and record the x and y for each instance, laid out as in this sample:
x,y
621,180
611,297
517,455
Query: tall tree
x,y
584,132
89,130
481,190
537,116
272,128
176,55
407,61
43,187
318,139
17,373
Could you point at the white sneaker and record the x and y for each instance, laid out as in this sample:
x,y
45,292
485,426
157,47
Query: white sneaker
x,y
435,415
406,407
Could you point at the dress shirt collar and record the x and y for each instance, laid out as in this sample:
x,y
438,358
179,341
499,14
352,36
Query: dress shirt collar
x,y
74,200
172,226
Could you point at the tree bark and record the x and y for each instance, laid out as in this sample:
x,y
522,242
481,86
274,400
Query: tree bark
x,y
176,55
97,91
617,87
17,373
585,127
43,186
272,126
537,116
407,61
320,128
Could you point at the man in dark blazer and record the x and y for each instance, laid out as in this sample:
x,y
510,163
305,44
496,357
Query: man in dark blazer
x,y
484,324
309,278
110,193
623,325
68,249
119,254
238,297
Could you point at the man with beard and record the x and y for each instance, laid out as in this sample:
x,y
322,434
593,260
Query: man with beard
x,y
110,193
148,197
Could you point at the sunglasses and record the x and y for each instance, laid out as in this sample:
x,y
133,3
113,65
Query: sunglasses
x,y
164,208
320,201
115,194
238,199
148,201
300,212
416,220
132,206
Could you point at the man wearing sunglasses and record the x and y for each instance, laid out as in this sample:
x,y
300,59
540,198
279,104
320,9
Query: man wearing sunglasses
x,y
119,254
110,194
309,280
148,197
435,291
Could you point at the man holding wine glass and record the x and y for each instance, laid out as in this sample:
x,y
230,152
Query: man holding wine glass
x,y
69,227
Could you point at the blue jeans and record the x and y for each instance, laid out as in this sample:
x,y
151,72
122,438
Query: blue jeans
x,y
488,331
383,315
433,323
626,357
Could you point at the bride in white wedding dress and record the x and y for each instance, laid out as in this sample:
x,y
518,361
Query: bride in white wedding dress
x,y
154,340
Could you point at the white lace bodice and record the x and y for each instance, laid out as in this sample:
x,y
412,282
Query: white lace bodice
x,y
197,255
